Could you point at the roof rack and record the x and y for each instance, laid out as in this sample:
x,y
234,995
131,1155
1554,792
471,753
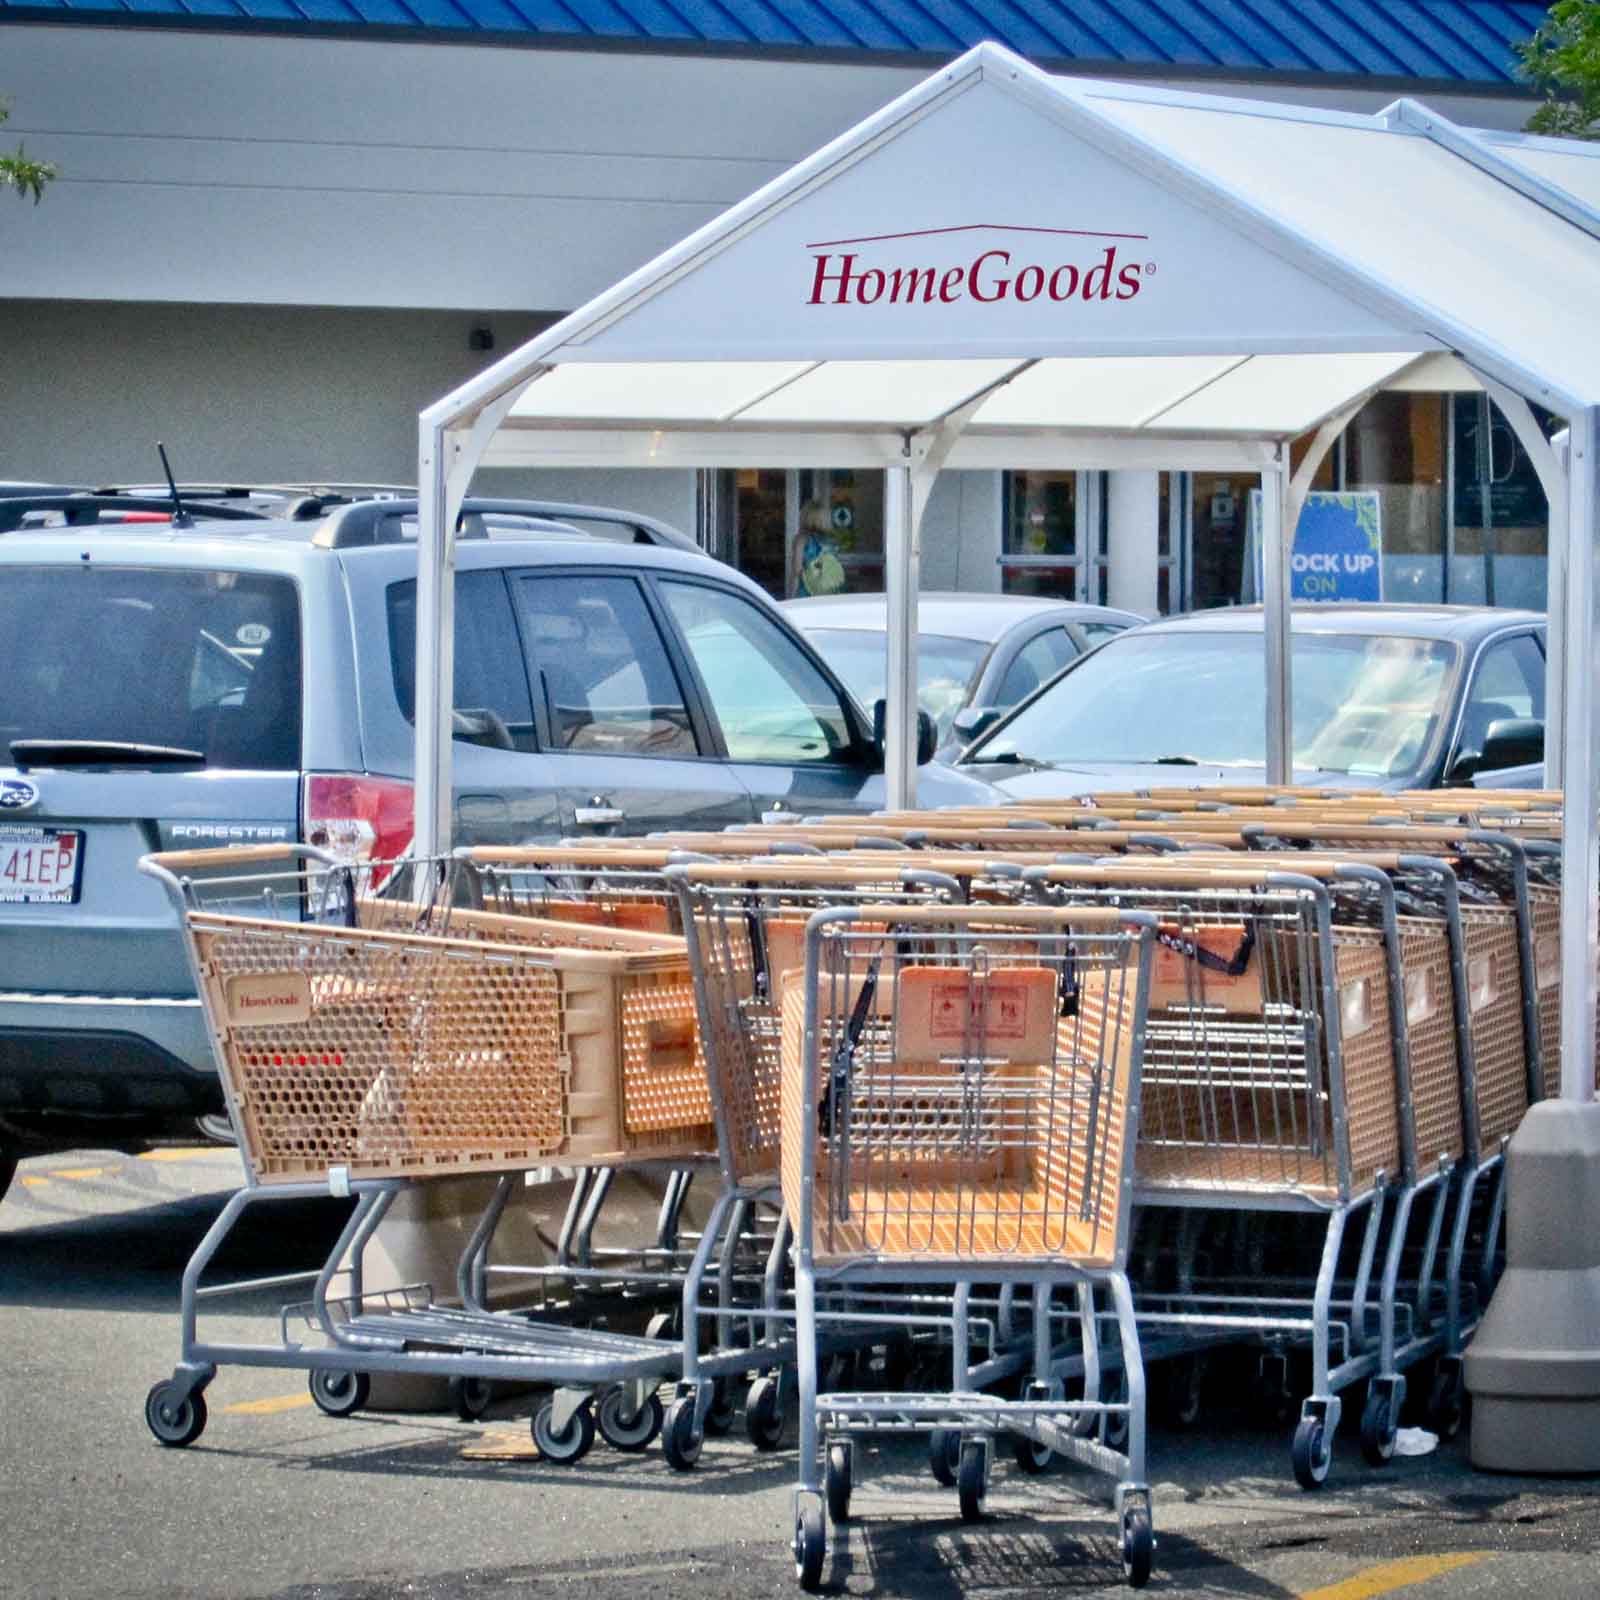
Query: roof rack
x,y
375,522
81,510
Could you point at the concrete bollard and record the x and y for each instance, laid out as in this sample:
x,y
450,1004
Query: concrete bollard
x,y
1533,1368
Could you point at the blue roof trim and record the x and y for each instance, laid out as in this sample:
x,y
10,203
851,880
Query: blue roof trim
x,y
1465,41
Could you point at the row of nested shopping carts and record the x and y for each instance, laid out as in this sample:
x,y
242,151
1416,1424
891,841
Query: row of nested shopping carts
x,y
1001,1110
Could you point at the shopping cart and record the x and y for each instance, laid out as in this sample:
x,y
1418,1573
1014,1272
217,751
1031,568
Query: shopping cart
x,y
361,1051
745,925
960,1101
1300,1103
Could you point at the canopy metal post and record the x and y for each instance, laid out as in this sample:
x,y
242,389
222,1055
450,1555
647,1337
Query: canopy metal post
x,y
1549,459
1277,528
447,456
1580,876
435,623
902,578
1558,546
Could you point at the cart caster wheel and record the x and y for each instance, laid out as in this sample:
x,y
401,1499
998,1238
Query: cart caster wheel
x,y
660,1326
1311,1453
573,1443
1447,1400
970,1480
680,1443
723,1413
624,1432
1031,1456
763,1414
810,1547
175,1422
1138,1546
470,1397
1377,1427
838,1481
944,1453
339,1394
1184,1390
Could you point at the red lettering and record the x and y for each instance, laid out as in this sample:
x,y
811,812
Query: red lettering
x,y
910,279
1034,277
878,282
952,280
1129,280
1103,273
823,277
1056,291
1001,284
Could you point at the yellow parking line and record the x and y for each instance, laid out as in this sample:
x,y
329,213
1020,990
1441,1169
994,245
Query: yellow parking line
x,y
186,1154
78,1172
1392,1575
267,1408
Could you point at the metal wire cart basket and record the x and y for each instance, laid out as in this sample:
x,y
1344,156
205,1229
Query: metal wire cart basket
x,y
959,1101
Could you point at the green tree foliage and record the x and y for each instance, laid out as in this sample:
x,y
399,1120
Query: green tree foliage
x,y
1562,61
19,173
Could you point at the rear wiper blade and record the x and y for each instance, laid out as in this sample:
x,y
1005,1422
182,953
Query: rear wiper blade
x,y
100,753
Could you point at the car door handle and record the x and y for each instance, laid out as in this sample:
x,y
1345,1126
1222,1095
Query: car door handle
x,y
597,816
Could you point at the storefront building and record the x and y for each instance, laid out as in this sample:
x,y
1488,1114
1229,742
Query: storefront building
x,y
340,216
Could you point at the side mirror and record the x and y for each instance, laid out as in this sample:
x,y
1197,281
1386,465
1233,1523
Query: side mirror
x,y
927,732
973,722
1512,742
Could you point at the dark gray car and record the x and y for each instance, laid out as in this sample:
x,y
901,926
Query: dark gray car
x,y
253,682
977,654
1384,696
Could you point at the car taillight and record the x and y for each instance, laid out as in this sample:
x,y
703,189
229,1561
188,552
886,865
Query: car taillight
x,y
357,818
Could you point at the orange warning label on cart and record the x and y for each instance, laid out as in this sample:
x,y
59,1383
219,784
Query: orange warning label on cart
x,y
260,1000
1007,1017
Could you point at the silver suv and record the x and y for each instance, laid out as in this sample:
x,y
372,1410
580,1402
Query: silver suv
x,y
252,681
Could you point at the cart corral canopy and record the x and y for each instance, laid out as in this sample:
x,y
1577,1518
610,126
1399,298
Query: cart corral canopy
x,y
1006,269
996,222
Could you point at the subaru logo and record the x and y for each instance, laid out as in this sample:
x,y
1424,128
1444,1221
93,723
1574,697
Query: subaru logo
x,y
17,795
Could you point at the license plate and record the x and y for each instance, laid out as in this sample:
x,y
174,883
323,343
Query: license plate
x,y
40,865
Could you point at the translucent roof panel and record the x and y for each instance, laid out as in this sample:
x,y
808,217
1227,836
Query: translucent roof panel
x,y
885,393
1279,395
1567,163
1403,210
1112,392
652,391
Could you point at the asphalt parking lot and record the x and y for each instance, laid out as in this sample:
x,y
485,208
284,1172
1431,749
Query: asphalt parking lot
x,y
277,1500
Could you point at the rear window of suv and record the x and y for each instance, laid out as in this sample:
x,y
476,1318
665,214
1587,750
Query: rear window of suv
x,y
197,660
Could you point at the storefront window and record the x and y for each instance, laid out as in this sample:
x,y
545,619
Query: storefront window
x,y
836,545
1219,506
799,533
1396,446
1040,549
1499,518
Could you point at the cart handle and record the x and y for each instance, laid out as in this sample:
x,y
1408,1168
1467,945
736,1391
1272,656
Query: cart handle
x,y
1005,918
245,855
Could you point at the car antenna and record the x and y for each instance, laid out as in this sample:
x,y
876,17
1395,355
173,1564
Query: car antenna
x,y
180,517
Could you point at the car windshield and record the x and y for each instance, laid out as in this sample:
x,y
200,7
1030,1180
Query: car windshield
x,y
184,660
945,668
1364,704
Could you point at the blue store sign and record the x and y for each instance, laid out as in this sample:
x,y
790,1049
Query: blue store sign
x,y
1338,547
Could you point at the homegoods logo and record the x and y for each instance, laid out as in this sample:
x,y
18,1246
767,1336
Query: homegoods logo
x,y
1007,263
256,999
